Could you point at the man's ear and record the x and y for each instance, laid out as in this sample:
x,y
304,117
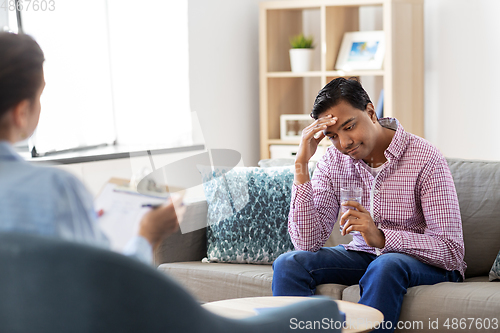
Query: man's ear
x,y
370,110
20,113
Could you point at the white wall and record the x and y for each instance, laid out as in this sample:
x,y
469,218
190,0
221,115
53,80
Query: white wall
x,y
4,19
462,66
224,73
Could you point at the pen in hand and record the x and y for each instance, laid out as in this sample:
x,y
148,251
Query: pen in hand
x,y
154,206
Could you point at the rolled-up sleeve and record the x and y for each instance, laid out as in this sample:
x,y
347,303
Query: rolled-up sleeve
x,y
313,211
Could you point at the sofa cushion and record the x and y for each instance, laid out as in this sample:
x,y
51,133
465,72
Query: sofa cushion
x,y
332,290
478,189
495,269
247,213
210,282
476,299
351,293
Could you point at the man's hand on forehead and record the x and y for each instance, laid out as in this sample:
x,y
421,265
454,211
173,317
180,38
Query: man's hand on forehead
x,y
328,120
328,116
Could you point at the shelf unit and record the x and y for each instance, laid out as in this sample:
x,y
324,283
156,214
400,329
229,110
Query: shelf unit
x,y
286,92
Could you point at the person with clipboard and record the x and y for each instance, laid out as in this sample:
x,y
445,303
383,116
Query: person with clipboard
x,y
44,200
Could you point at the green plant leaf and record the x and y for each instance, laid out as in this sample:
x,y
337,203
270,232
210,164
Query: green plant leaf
x,y
301,42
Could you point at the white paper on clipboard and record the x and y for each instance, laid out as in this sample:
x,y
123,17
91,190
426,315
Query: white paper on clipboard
x,y
123,212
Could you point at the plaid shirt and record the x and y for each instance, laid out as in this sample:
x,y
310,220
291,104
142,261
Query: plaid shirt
x,y
412,200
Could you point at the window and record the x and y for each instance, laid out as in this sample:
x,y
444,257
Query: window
x,y
116,71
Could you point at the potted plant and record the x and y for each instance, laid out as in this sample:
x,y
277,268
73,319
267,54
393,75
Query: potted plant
x,y
301,53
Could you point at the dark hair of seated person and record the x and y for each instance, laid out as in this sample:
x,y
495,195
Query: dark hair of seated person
x,y
21,69
339,90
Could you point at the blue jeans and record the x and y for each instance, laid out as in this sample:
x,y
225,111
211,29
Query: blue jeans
x,y
383,280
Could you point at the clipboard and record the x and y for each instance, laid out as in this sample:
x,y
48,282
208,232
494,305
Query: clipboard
x,y
123,211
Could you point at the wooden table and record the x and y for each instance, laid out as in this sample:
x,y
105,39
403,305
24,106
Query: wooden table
x,y
359,318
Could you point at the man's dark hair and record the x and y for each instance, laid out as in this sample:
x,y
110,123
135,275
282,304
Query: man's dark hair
x,y
21,69
338,90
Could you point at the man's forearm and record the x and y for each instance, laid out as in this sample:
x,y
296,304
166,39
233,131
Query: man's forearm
x,y
301,174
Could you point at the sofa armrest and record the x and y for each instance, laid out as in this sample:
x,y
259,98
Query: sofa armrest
x,y
188,245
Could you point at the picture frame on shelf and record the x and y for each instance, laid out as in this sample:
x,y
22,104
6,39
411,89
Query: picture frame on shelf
x,y
291,126
361,50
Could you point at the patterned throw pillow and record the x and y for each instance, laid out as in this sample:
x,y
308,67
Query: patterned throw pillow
x,y
495,269
247,213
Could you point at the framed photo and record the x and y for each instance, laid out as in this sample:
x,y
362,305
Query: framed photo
x,y
291,125
361,50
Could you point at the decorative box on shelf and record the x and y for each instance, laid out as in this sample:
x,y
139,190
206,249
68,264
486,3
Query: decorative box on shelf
x,y
290,151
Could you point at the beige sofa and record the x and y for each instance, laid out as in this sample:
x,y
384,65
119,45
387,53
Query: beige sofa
x,y
474,303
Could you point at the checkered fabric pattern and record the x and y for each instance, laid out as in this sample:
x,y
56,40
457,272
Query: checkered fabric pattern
x,y
412,200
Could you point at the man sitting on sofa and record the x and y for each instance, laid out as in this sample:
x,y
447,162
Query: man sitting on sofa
x,y
408,222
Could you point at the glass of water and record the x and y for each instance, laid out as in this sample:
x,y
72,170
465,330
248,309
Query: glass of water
x,y
349,193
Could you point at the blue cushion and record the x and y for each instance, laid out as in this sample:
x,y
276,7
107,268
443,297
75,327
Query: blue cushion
x,y
495,269
247,213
